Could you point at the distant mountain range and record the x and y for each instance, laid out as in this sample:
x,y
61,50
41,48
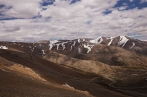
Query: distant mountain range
x,y
77,46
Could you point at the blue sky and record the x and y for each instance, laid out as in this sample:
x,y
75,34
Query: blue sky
x,y
31,20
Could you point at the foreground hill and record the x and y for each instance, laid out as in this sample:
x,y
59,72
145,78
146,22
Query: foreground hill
x,y
25,75
22,75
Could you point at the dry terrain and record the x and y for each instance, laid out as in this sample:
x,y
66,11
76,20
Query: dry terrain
x,y
25,75
103,67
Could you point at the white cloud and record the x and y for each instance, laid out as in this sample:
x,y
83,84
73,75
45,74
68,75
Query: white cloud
x,y
21,8
142,1
82,19
122,8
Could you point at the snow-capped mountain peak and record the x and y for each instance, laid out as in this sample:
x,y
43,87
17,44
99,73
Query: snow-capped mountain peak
x,y
81,45
123,40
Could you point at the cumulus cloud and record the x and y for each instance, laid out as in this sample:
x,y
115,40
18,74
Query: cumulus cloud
x,y
142,1
21,8
63,20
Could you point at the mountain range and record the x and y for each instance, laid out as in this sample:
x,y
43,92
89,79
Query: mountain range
x,y
84,67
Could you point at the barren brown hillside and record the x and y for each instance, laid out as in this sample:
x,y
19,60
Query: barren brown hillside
x,y
25,75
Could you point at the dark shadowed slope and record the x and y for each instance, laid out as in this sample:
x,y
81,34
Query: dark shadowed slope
x,y
21,81
25,75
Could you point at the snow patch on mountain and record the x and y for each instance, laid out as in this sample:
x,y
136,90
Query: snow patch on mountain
x,y
89,47
58,46
111,39
52,43
63,45
98,40
133,44
79,40
3,47
123,40
71,48
74,43
43,52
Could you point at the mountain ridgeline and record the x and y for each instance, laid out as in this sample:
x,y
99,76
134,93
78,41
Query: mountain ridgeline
x,y
78,46
119,50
